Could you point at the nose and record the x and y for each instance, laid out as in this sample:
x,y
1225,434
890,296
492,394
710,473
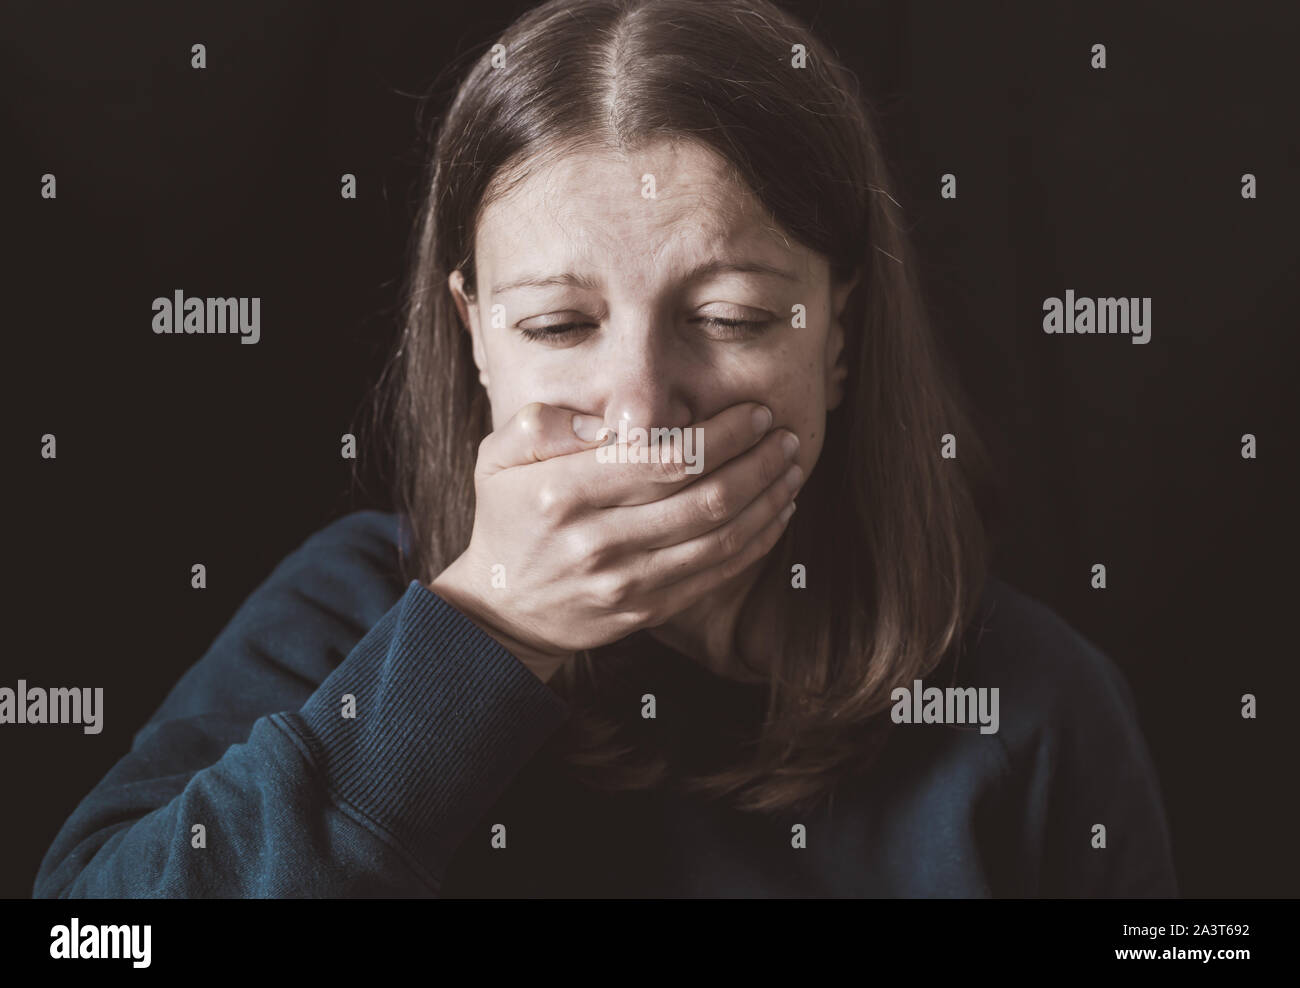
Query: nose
x,y
648,386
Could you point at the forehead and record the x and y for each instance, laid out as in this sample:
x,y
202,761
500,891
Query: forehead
x,y
647,209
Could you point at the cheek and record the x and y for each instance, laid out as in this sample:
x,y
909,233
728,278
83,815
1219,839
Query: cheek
x,y
796,396
508,382
519,375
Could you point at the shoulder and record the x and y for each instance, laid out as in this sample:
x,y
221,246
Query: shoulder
x,y
1051,677
367,539
296,625
1079,763
346,570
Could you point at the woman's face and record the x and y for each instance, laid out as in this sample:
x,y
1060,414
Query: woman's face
x,y
631,279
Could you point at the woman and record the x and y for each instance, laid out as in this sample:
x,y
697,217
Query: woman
x,y
556,671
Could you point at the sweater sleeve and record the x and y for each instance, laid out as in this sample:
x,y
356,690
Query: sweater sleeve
x,y
356,780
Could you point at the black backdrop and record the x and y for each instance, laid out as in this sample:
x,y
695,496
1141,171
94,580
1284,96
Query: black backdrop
x,y
225,181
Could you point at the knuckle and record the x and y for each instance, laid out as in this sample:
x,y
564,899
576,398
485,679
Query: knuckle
x,y
585,547
612,591
716,506
731,567
771,466
529,419
702,556
628,622
727,542
737,562
643,617
547,499
668,467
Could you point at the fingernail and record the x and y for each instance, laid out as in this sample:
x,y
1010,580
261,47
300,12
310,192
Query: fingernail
x,y
762,419
587,427
793,476
790,443
786,512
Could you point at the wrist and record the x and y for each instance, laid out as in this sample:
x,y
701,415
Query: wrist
x,y
453,586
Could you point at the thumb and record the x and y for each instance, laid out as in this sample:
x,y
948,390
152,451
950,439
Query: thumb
x,y
536,432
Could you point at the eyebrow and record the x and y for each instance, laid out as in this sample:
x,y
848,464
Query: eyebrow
x,y
719,266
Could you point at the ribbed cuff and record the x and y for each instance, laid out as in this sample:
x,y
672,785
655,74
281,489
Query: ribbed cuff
x,y
445,718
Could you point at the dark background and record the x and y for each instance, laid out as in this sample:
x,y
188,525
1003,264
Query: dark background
x,y
225,181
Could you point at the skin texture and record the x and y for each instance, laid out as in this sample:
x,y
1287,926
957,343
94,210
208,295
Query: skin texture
x,y
642,352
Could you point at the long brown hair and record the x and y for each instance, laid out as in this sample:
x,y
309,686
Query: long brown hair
x,y
894,537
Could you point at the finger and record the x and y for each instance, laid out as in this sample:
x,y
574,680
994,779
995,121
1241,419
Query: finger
x,y
710,502
537,432
607,481
667,565
676,597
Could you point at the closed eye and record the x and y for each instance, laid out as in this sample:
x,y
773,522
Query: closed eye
x,y
731,328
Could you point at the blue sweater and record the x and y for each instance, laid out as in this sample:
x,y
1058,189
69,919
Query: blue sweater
x,y
449,741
